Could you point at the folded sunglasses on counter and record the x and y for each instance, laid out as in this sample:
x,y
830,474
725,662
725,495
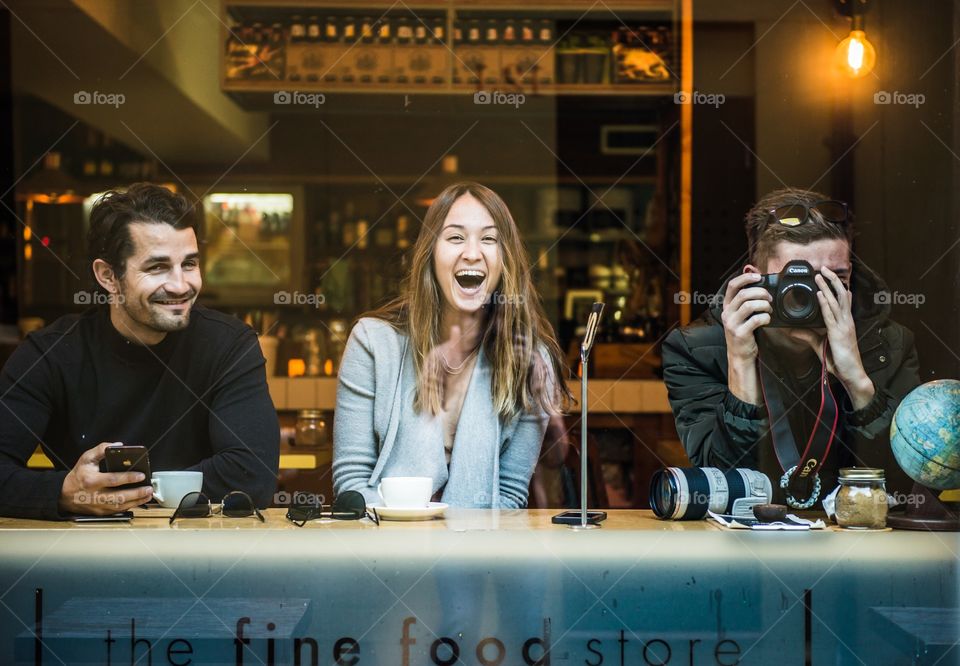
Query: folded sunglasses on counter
x,y
349,505
235,504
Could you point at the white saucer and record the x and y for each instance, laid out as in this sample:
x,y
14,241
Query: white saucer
x,y
429,512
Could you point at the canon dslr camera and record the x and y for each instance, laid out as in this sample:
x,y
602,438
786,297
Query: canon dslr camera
x,y
794,293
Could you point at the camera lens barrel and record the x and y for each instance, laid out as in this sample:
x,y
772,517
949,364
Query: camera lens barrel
x,y
794,291
797,302
687,493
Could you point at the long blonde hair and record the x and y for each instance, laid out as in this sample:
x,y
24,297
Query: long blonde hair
x,y
518,340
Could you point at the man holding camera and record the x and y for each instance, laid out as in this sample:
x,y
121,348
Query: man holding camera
x,y
799,369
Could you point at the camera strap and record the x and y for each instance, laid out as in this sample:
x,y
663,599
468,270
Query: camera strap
x,y
801,476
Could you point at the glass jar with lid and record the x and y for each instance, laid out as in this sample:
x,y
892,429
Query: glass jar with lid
x,y
312,429
862,500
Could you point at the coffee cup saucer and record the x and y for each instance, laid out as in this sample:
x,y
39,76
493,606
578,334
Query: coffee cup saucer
x,y
429,512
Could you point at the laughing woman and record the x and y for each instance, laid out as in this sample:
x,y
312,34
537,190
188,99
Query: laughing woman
x,y
457,377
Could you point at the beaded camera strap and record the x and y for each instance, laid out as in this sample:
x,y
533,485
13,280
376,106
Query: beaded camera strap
x,y
801,476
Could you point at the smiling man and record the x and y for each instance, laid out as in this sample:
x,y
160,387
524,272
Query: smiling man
x,y
148,368
747,394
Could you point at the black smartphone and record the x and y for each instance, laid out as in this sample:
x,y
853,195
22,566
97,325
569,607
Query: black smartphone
x,y
127,459
576,518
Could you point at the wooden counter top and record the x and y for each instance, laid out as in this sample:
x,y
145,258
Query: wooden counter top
x,y
455,520
607,396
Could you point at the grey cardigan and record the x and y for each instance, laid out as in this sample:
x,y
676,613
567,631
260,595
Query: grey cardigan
x,y
377,433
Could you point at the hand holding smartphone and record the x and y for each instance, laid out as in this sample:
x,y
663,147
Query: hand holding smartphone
x,y
127,459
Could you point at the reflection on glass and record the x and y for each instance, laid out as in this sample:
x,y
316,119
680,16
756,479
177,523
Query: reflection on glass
x,y
247,236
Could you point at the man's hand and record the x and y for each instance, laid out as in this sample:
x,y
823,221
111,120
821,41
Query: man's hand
x,y
843,357
88,490
745,309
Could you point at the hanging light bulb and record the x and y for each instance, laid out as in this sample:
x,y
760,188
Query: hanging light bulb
x,y
856,55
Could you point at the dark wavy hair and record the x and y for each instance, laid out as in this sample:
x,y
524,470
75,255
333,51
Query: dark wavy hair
x,y
762,236
114,212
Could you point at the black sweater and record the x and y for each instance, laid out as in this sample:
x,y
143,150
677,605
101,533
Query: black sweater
x,y
197,400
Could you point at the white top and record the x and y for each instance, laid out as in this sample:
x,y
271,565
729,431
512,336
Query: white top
x,y
454,391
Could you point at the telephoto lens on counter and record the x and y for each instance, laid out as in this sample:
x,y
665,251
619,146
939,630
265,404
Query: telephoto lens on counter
x,y
687,493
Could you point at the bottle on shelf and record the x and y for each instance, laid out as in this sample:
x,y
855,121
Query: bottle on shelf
x,y
545,64
419,60
491,32
366,30
328,49
385,31
348,37
527,35
545,35
298,29
420,34
457,42
474,35
475,62
491,58
438,29
510,69
349,31
331,30
509,32
364,58
405,38
436,40
383,38
314,30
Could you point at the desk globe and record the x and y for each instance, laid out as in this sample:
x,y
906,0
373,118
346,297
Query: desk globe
x,y
925,439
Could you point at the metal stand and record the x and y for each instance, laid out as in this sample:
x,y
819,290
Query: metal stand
x,y
584,525
592,324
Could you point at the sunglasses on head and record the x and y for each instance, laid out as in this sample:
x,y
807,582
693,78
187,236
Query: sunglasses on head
x,y
793,215
236,504
349,505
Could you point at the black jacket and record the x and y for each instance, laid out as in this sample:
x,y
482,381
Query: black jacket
x,y
719,430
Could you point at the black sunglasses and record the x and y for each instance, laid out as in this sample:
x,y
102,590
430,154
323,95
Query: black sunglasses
x,y
349,505
236,504
793,215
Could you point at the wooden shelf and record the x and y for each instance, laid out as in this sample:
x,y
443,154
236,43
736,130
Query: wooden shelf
x,y
238,176
632,6
554,90
607,396
39,460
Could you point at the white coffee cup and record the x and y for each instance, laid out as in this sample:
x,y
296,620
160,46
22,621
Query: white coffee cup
x,y
170,487
405,492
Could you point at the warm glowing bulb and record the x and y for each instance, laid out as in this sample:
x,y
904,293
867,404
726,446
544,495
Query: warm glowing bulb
x,y
856,55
